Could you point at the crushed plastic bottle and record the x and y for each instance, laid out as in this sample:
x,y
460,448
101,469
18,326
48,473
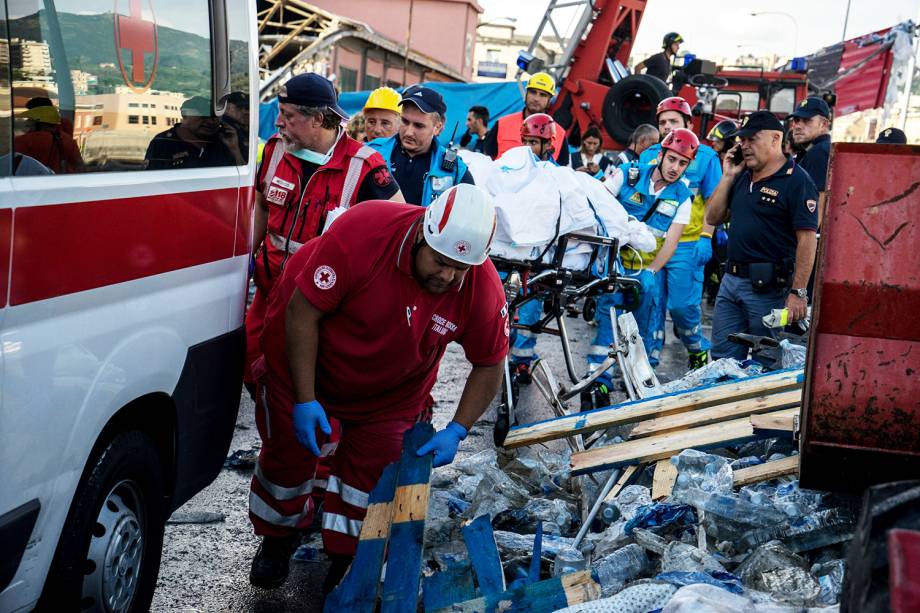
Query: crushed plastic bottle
x,y
808,532
662,515
496,492
730,507
725,369
687,558
793,356
710,473
513,544
631,498
746,462
557,516
830,579
773,568
617,569
794,501
568,561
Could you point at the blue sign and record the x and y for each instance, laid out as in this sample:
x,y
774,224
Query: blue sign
x,y
496,70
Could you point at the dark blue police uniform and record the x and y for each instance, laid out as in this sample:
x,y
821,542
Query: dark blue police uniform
x,y
814,161
761,252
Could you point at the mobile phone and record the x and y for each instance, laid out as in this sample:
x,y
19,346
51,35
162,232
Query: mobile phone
x,y
737,156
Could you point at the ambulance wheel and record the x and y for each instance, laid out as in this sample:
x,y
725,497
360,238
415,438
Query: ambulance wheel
x,y
108,555
632,101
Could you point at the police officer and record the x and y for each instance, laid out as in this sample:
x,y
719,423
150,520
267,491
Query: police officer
x,y
811,133
196,142
682,283
891,136
381,113
659,65
659,196
771,242
423,167
506,133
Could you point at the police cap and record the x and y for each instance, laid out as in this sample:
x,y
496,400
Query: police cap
x,y
891,136
811,106
757,121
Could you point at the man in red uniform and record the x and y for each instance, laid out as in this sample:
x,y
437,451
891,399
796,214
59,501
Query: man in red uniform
x,y
355,330
310,170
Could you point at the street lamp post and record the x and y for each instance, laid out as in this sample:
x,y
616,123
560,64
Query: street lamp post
x,y
795,44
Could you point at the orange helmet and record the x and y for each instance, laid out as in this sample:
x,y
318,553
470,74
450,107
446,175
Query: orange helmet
x,y
682,142
674,103
539,125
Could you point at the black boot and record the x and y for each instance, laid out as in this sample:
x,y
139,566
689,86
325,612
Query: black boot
x,y
337,570
271,563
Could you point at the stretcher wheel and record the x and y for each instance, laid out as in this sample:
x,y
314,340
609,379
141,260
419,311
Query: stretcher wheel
x,y
590,309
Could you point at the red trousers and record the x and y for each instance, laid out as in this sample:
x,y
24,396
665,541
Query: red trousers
x,y
281,495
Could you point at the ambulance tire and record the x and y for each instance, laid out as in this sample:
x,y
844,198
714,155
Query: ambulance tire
x,y
632,101
118,517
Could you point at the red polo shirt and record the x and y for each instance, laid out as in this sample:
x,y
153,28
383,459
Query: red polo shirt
x,y
383,336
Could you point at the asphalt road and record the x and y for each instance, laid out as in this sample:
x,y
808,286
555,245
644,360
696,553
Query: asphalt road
x,y
205,567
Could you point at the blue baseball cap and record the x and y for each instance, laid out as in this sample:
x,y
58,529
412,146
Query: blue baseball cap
x,y
811,106
757,121
313,90
425,98
891,136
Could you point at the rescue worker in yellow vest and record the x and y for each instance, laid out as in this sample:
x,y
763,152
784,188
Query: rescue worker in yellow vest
x,y
506,133
381,113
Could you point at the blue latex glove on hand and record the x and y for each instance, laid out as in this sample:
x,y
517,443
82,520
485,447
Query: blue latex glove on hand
x,y
308,416
721,237
703,250
444,444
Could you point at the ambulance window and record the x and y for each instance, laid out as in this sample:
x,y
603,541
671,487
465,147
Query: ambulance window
x,y
236,113
113,85
6,122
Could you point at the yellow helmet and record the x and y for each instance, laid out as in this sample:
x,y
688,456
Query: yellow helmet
x,y
385,98
544,82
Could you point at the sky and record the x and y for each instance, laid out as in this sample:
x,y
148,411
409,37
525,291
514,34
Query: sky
x,y
723,28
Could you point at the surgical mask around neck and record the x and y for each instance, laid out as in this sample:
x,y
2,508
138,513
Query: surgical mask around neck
x,y
314,157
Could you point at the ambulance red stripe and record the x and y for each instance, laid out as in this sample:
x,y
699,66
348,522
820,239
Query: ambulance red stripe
x,y
67,248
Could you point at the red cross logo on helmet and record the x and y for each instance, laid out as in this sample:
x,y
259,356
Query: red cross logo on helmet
x,y
136,39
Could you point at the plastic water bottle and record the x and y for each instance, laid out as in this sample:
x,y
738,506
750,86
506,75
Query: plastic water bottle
x,y
615,570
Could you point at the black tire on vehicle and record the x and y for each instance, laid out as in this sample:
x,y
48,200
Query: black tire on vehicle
x,y
108,556
630,102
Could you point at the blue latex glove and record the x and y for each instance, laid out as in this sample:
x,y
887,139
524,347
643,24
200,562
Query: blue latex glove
x,y
703,250
308,416
721,237
444,444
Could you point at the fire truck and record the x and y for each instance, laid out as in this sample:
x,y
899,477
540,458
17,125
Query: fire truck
x,y
123,279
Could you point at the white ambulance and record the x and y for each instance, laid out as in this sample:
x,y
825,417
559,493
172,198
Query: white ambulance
x,y
127,159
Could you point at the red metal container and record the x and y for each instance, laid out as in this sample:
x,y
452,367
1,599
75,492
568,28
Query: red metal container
x,y
861,410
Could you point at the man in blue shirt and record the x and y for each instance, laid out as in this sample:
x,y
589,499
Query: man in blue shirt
x,y
682,282
811,131
771,242
415,156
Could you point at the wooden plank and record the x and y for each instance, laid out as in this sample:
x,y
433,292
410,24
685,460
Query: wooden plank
x,y
663,481
358,589
622,482
455,584
541,597
650,408
404,555
722,412
663,446
781,423
765,471
483,552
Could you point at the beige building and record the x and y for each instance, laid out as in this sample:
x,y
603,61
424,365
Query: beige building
x,y
31,57
497,48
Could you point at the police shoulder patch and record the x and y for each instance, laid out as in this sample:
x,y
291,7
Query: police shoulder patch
x,y
811,205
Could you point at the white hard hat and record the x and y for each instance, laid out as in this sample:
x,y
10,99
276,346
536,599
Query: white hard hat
x,y
460,224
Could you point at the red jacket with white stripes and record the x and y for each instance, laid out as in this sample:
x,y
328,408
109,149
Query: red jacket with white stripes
x,y
297,212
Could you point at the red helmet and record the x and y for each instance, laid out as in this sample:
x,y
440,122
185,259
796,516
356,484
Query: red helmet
x,y
539,125
682,142
674,103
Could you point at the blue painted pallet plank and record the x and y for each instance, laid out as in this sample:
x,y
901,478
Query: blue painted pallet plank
x,y
407,532
541,597
483,552
534,575
358,590
455,584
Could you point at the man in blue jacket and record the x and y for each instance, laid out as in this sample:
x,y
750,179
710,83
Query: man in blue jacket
x,y
421,165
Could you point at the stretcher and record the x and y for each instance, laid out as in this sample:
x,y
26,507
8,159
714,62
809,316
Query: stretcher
x,y
564,292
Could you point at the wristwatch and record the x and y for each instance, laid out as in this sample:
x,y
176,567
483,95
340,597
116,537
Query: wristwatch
x,y
802,292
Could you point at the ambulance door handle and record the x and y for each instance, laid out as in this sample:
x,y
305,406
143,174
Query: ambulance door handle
x,y
220,57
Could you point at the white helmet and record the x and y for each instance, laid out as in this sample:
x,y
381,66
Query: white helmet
x,y
460,224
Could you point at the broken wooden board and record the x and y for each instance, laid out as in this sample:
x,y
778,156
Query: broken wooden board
x,y
766,471
663,446
664,479
651,408
781,423
718,413
358,590
541,597
483,552
625,477
407,532
444,588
